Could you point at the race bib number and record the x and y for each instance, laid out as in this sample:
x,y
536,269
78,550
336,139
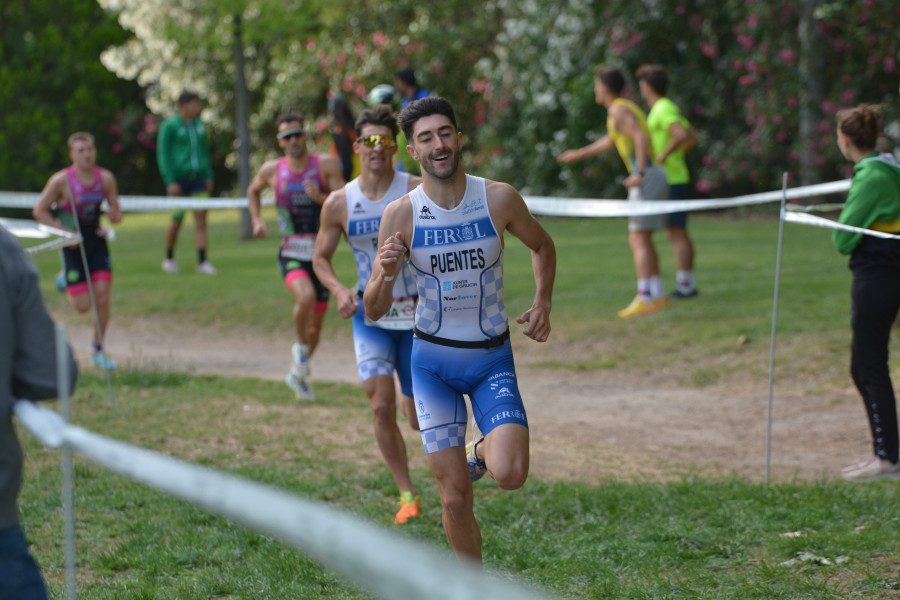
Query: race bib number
x,y
299,246
401,315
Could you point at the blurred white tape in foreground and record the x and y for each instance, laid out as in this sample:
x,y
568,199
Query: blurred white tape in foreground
x,y
388,564
29,229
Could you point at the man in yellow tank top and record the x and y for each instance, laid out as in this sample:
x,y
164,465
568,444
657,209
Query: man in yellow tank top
x,y
627,132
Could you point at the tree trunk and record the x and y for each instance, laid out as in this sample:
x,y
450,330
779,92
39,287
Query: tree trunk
x,y
812,73
242,125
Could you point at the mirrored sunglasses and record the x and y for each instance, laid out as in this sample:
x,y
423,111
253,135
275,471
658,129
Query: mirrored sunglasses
x,y
287,135
373,140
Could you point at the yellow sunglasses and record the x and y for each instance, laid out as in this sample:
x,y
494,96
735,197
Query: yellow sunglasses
x,y
373,140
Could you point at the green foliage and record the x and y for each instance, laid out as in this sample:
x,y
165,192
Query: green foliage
x,y
760,82
738,70
53,84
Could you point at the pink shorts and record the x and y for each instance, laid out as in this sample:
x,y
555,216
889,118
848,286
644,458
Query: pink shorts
x,y
77,289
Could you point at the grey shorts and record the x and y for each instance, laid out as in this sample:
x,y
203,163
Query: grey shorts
x,y
655,187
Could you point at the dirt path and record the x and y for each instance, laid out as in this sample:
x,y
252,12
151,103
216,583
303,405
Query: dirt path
x,y
587,425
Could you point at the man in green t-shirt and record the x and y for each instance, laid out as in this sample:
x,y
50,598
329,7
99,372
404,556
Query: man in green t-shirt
x,y
671,136
182,152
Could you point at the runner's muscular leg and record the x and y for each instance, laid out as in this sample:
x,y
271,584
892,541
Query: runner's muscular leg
x,y
314,329
505,452
408,406
101,295
380,390
457,501
304,300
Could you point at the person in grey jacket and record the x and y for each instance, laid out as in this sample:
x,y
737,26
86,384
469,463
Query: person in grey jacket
x,y
27,371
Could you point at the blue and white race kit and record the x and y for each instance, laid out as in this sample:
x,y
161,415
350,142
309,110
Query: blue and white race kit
x,y
385,345
461,345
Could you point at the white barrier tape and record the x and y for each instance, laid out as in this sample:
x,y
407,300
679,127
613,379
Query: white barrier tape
x,y
167,203
54,245
585,207
814,207
142,203
18,200
805,219
30,229
379,561
540,205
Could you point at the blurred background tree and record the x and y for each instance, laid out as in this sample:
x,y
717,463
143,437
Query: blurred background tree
x,y
744,72
53,84
761,83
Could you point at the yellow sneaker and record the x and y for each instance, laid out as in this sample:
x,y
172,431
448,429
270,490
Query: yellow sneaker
x,y
640,307
409,508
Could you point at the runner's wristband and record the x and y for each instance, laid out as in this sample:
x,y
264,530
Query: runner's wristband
x,y
387,278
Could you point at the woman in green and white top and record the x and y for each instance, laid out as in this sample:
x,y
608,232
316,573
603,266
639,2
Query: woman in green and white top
x,y
872,203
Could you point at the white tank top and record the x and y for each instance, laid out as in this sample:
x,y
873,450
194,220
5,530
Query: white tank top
x,y
458,257
363,220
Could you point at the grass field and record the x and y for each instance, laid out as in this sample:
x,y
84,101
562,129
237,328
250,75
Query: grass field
x,y
697,538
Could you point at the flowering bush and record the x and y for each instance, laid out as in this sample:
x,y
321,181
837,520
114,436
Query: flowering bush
x,y
761,82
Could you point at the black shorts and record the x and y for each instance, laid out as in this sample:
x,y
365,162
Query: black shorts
x,y
98,262
290,268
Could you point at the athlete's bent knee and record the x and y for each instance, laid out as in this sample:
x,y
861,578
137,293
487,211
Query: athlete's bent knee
x,y
511,477
81,302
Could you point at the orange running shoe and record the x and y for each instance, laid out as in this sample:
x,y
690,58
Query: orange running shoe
x,y
643,307
409,508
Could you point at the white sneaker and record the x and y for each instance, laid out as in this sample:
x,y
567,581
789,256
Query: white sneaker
x,y
874,468
206,268
299,386
170,266
300,354
477,467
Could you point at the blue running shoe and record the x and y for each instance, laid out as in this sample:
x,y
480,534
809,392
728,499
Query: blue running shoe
x,y
477,468
100,359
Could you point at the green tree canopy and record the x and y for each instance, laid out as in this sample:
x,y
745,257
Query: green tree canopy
x,y
53,84
760,82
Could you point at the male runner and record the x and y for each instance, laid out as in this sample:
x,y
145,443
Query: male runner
x,y
383,346
451,229
627,132
77,192
301,181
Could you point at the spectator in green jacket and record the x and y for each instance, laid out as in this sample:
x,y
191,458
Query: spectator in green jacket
x,y
872,203
182,151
